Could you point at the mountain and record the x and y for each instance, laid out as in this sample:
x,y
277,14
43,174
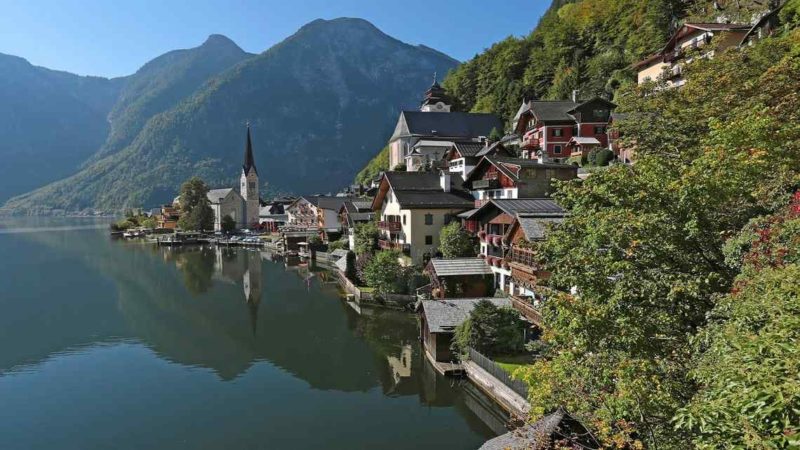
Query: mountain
x,y
319,103
50,122
162,83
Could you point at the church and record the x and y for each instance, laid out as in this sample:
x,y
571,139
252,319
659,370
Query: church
x,y
241,206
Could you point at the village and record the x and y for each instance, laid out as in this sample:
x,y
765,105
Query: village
x,y
449,230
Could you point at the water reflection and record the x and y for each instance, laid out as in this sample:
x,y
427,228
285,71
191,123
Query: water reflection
x,y
222,310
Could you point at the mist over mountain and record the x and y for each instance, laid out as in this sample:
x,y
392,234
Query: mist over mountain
x,y
319,103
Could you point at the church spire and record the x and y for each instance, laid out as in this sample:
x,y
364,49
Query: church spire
x,y
249,160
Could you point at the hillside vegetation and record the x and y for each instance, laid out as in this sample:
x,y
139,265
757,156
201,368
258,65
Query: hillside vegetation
x,y
684,332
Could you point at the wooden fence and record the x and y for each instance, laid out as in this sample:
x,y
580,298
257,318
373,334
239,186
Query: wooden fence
x,y
520,387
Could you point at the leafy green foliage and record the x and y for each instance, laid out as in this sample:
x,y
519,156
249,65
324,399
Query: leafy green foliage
x,y
645,248
228,224
599,157
350,268
196,210
456,242
491,331
366,238
382,272
790,14
378,164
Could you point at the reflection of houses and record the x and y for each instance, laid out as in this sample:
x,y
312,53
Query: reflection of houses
x,y
401,365
459,278
438,127
414,206
440,318
703,38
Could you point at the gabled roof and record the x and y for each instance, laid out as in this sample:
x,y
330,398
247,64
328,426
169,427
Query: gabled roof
x,y
450,125
524,108
423,190
505,165
434,199
495,149
541,207
459,266
443,316
553,110
760,22
467,149
684,30
215,195
594,99
326,201
535,228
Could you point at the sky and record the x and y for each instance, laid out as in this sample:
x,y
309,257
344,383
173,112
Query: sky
x,y
115,37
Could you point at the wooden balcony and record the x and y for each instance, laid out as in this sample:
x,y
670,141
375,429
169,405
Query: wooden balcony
x,y
524,257
486,184
383,244
393,227
530,142
524,306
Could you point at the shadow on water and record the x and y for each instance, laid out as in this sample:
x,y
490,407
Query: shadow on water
x,y
220,309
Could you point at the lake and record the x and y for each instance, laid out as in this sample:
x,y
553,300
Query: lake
x,y
124,345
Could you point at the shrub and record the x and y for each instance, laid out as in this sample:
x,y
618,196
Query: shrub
x,y
350,270
382,272
366,237
599,157
456,242
491,331
228,224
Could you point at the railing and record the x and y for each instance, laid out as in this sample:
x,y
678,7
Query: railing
x,y
389,226
389,245
486,184
523,256
527,309
530,142
496,371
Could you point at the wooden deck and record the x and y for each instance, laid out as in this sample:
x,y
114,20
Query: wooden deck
x,y
445,368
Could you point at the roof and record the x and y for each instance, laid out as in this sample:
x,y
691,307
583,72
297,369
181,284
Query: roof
x,y
541,434
760,22
414,181
249,160
528,206
501,163
448,124
467,214
584,140
466,149
535,228
443,316
434,199
214,195
328,202
459,266
525,107
683,31
553,110
492,149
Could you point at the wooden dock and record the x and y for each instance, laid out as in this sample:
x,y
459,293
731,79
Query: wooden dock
x,y
449,369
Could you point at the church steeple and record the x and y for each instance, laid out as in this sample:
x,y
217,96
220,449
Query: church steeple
x,y
249,160
435,98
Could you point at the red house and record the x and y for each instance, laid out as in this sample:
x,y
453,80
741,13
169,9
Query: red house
x,y
549,126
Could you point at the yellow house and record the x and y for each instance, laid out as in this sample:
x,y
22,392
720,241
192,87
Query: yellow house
x,y
412,208
707,38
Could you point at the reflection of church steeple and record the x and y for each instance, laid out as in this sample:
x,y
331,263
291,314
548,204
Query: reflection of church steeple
x,y
252,287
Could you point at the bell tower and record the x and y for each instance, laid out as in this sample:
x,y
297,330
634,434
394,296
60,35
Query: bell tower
x,y
436,99
248,184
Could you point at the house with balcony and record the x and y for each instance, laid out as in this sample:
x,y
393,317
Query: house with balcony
x,y
526,271
412,208
690,41
417,132
493,221
548,127
352,213
317,212
500,177
462,157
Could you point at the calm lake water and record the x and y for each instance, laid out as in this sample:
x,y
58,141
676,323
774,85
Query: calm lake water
x,y
111,344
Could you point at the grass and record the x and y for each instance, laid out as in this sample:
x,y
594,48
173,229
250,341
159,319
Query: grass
x,y
512,363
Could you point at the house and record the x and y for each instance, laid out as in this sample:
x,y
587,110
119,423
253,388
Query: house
x,y
703,38
352,213
272,215
169,216
226,202
507,178
302,214
558,430
547,127
459,278
766,26
523,262
462,157
412,208
439,320
494,219
317,212
434,122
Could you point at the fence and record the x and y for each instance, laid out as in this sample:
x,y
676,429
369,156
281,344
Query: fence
x,y
496,371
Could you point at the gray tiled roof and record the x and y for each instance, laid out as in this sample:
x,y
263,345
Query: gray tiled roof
x,y
452,124
460,266
535,228
469,148
553,111
443,316
414,181
529,206
434,199
214,195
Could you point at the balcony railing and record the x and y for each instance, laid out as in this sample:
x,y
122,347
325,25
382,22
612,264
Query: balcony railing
x,y
530,142
523,256
389,245
389,226
486,184
524,306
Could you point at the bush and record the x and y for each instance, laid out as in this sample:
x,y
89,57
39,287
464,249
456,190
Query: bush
x,y
314,242
366,237
350,270
228,224
491,331
382,272
362,261
599,157
341,244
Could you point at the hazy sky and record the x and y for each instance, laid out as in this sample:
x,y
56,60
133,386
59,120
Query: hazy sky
x,y
116,37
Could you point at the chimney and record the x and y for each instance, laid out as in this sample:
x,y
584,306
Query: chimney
x,y
444,180
575,96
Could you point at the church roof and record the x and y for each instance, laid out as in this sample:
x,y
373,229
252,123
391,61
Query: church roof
x,y
215,195
249,160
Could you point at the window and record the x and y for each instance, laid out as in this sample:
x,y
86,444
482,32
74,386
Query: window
x,y
599,129
428,240
252,185
404,219
447,219
557,149
428,219
558,132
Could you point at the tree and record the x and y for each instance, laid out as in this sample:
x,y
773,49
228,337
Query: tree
x,y
456,242
366,237
315,242
382,272
228,224
149,222
350,267
495,135
196,209
490,330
